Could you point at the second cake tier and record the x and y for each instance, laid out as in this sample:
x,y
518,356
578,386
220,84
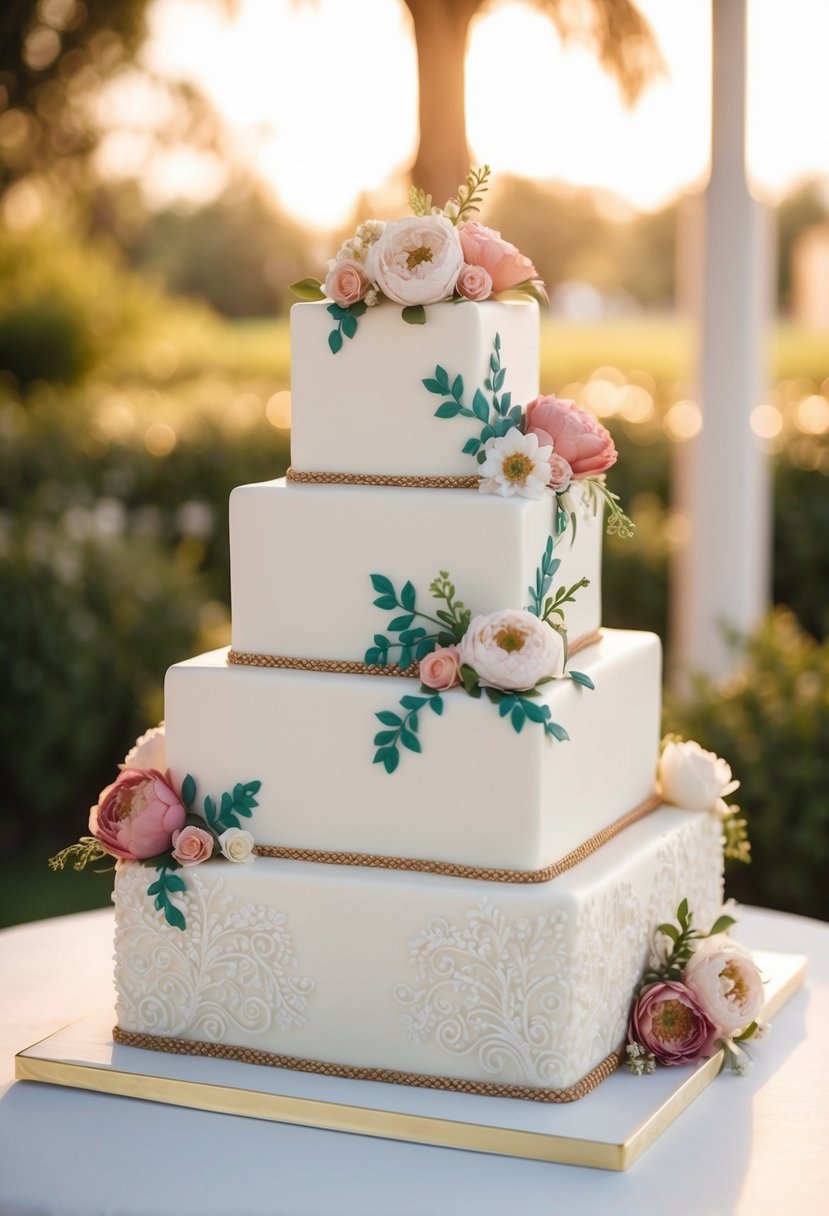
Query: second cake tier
x,y
478,792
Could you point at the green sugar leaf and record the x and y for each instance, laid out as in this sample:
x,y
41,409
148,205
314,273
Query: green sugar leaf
x,y
436,704
498,379
335,341
358,309
387,602
558,732
388,718
487,433
414,314
471,447
308,289
349,326
372,657
480,406
469,677
427,645
410,740
174,883
502,427
391,760
506,402
497,343
401,622
173,916
337,311
405,658
412,702
578,677
449,409
409,637
518,717
505,706
382,584
457,387
384,736
210,810
494,363
407,597
188,791
721,924
535,713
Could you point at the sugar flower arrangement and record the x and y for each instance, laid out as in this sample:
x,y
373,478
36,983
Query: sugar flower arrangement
x,y
550,444
703,993
508,656
436,254
143,817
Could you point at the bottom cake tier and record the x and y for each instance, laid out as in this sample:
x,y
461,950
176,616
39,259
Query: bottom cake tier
x,y
490,987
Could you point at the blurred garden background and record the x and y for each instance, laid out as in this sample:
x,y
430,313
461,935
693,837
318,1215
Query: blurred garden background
x,y
167,167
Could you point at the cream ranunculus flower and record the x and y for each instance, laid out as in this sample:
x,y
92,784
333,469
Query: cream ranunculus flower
x,y
148,751
725,980
236,844
693,778
512,650
515,464
416,260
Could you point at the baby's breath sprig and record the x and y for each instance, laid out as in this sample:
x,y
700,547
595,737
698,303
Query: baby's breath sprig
x,y
420,202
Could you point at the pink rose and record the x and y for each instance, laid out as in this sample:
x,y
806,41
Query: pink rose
x,y
484,247
474,282
576,435
441,669
137,815
560,472
346,283
192,845
668,1021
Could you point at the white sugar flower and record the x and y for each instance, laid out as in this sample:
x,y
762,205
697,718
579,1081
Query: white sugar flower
x,y
236,844
515,464
416,260
512,650
693,778
148,751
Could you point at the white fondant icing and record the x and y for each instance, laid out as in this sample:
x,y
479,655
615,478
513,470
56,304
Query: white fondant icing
x,y
302,557
479,793
365,409
439,976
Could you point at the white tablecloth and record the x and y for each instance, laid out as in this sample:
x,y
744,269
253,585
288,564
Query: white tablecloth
x,y
749,1146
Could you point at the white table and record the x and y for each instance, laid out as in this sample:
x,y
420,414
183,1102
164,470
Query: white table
x,y
751,1145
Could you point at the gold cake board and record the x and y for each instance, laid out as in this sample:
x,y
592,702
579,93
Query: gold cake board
x,y
609,1129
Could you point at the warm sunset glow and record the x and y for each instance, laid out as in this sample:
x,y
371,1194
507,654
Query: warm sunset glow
x,y
321,100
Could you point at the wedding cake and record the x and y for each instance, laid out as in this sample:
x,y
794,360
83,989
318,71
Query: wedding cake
x,y
407,827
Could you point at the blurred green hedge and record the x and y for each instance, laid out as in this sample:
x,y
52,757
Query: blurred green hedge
x,y
770,719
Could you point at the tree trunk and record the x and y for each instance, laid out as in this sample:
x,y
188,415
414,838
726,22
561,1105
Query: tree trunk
x,y
441,29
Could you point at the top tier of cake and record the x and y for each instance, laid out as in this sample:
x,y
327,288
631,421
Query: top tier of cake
x,y
365,410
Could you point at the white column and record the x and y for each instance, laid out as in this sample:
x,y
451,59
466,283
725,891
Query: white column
x,y
722,572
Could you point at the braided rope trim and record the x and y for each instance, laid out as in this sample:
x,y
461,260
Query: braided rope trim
x,y
270,1059
452,869
352,667
382,479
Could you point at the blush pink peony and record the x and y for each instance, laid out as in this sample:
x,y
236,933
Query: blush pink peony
x,y
576,435
724,978
668,1020
474,282
441,669
346,283
512,650
485,247
416,260
136,816
192,845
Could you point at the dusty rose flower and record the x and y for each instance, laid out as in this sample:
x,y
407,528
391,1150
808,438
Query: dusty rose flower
x,y
441,669
485,247
576,435
724,978
416,260
693,778
512,650
136,816
560,472
668,1021
236,844
474,282
346,283
192,845
148,751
